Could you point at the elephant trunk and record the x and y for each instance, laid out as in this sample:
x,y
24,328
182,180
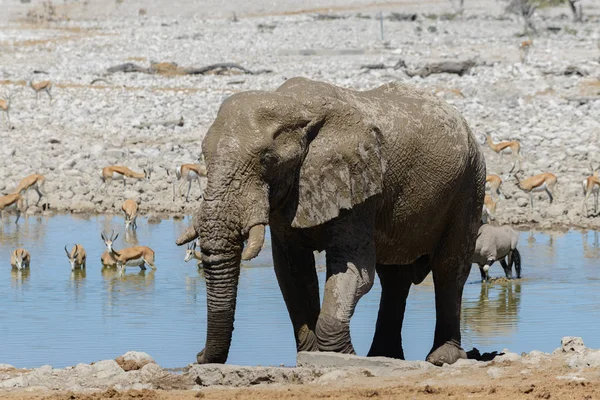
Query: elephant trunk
x,y
221,275
222,234
221,249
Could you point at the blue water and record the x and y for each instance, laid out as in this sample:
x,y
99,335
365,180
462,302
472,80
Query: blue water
x,y
51,316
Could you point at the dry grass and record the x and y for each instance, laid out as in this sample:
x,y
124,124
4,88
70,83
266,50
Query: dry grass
x,y
546,92
590,87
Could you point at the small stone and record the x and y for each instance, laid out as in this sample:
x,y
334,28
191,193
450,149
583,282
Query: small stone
x,y
570,344
495,372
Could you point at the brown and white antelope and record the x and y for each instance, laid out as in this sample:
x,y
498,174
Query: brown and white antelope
x,y
544,182
191,252
511,147
43,86
118,172
494,182
107,260
10,202
36,182
130,210
20,258
136,256
524,49
76,257
591,185
5,108
488,213
190,173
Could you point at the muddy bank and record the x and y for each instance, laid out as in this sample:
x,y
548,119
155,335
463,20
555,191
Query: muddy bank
x,y
571,369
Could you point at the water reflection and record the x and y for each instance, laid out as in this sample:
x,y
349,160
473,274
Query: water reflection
x,y
77,282
495,312
19,277
592,251
131,237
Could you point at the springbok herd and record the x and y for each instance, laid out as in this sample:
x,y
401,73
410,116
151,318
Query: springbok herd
x,y
139,256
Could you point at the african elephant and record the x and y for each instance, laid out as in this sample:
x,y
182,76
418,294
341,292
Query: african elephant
x,y
388,180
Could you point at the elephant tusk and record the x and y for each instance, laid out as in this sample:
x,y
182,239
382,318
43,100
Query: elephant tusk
x,y
256,238
187,236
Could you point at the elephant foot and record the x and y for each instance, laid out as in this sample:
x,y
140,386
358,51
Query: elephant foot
x,y
201,358
307,340
333,335
381,351
448,353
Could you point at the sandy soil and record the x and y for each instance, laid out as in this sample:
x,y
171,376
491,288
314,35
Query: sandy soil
x,y
516,382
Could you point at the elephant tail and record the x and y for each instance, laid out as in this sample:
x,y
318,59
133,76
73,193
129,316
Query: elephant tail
x,y
517,262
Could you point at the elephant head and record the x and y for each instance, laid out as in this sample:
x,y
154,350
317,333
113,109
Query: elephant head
x,y
274,152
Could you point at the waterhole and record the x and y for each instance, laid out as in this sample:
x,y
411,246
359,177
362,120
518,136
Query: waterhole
x,y
53,316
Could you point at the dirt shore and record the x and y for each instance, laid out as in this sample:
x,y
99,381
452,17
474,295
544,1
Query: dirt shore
x,y
570,372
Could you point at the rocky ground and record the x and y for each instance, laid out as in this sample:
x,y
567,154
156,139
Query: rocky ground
x,y
571,371
550,107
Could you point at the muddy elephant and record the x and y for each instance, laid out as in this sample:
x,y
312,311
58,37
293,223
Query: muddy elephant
x,y
388,180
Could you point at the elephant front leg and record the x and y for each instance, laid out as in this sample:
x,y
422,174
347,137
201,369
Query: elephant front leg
x,y
297,277
350,274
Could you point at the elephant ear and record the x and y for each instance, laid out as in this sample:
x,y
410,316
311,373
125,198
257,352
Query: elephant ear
x,y
343,166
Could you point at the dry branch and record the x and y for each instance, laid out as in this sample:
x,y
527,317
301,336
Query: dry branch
x,y
450,67
167,68
220,68
177,122
127,67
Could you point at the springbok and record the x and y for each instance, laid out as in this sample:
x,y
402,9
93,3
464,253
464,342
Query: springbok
x,y
494,182
107,260
20,258
513,146
190,173
117,172
191,252
5,108
488,213
9,202
136,256
591,185
544,182
41,86
76,257
130,211
496,243
36,182
524,49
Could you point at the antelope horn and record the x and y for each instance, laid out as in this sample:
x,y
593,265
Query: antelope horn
x,y
187,236
66,251
256,238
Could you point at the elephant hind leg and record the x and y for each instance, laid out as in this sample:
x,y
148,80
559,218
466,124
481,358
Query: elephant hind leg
x,y
451,265
297,278
395,285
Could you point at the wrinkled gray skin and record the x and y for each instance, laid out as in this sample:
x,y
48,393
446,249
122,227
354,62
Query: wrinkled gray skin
x,y
388,180
497,243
